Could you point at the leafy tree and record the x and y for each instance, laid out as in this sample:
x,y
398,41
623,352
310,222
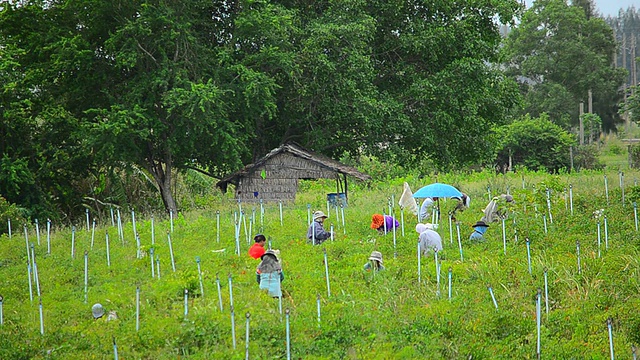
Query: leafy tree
x,y
632,105
560,52
536,143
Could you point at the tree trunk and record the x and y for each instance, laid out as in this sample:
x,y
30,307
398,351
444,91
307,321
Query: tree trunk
x,y
162,172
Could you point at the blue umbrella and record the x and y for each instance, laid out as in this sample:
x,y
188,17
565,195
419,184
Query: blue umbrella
x,y
438,190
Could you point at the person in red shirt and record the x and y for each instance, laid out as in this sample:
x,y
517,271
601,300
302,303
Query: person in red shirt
x,y
257,250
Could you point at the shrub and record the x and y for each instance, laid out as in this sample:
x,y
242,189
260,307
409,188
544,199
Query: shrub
x,y
586,157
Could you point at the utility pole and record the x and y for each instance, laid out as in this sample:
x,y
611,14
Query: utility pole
x,y
624,64
634,74
590,107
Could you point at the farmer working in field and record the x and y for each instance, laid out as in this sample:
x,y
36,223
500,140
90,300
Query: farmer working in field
x,y
497,208
316,233
462,205
426,208
375,262
257,249
269,273
383,223
429,238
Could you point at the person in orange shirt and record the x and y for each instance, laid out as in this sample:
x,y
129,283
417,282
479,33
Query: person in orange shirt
x,y
257,249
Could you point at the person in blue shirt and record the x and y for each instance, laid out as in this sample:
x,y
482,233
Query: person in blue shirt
x,y
375,262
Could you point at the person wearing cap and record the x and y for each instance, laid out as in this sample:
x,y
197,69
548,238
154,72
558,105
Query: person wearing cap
x,y
375,262
269,273
316,233
257,249
497,208
429,238
479,228
383,223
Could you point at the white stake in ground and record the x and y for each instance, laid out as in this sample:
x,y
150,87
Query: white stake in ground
x,y
244,223
38,232
73,242
450,276
138,250
261,215
151,255
571,197
332,231
113,223
26,242
395,253
538,296
546,291
93,233
402,221
280,206
86,212
186,303
610,328
120,230
288,329
544,219
578,256
9,227
233,328
41,317
504,237
158,266
115,349
217,225
219,292
86,275
106,240
435,254
622,186
606,234
326,271
49,236
30,283
606,189
173,262
171,219
459,241
230,292
133,222
419,266
599,238
635,214
309,214
138,308
317,306
237,237
200,276
495,303
529,255
246,337
1,310
549,206
153,232
344,227
450,229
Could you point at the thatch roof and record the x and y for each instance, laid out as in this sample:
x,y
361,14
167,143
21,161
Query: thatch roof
x,y
295,150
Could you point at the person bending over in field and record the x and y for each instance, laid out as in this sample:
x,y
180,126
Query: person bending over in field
x,y
316,233
269,273
375,262
462,205
429,238
383,223
257,249
497,208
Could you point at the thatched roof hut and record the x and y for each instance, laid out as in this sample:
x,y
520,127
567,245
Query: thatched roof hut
x,y
275,176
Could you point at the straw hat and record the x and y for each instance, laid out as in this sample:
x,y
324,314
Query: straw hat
x,y
318,215
274,253
97,310
377,256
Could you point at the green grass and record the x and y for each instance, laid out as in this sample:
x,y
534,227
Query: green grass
x,y
389,315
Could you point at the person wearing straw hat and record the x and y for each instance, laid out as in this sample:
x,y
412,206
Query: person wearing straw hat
x,y
269,273
375,262
316,234
383,223
257,249
429,238
463,203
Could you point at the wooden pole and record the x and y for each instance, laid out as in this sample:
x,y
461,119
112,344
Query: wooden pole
x,y
581,135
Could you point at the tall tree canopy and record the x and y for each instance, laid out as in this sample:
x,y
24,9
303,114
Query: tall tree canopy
x,y
167,85
560,52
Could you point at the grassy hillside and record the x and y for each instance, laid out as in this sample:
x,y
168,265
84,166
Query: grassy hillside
x,y
381,316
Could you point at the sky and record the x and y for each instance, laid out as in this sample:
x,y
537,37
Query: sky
x,y
611,7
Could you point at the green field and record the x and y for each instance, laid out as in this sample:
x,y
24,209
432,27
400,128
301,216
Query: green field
x,y
383,316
